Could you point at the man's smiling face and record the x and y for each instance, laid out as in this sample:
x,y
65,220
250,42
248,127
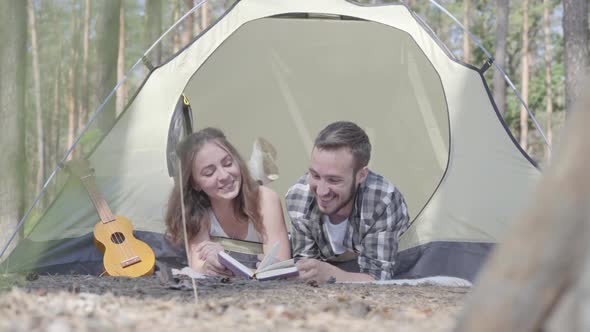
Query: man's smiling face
x,y
332,180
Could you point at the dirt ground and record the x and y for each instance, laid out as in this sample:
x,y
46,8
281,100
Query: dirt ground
x,y
158,303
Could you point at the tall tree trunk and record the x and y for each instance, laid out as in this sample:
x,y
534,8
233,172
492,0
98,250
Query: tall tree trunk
x,y
198,20
84,97
71,109
54,111
502,14
188,24
467,24
13,34
525,56
122,91
153,28
575,36
54,152
107,30
37,97
205,16
548,80
175,17
442,29
73,88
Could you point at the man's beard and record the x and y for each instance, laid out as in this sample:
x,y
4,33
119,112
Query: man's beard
x,y
351,196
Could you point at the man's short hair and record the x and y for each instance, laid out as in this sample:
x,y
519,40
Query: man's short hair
x,y
346,134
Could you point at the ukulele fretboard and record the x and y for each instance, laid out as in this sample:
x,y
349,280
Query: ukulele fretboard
x,y
104,212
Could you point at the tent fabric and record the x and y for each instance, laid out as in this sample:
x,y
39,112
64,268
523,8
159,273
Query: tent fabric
x,y
78,255
284,69
443,258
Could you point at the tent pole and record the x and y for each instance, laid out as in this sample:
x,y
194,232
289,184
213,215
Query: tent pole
x,y
197,6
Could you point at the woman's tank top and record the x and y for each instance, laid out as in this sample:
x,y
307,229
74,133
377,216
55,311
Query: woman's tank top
x,y
216,230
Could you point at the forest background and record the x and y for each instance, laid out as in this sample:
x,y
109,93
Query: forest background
x,y
60,59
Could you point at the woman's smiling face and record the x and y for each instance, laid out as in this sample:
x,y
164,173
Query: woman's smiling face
x,y
216,172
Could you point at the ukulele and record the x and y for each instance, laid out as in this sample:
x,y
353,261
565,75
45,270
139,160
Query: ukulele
x,y
124,255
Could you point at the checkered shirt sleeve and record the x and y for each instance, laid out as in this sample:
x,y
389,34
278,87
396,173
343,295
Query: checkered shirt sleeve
x,y
384,217
298,201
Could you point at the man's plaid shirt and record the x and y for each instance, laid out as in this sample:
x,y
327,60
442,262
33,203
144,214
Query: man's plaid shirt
x,y
378,218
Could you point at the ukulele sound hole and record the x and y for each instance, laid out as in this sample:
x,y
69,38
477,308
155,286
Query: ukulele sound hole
x,y
118,237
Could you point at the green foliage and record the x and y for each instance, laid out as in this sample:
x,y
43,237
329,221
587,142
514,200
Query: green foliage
x,y
483,26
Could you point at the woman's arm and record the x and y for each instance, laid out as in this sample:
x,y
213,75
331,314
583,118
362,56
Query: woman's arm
x,y
195,261
203,254
274,223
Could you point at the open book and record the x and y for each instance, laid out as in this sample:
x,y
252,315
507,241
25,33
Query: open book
x,y
265,271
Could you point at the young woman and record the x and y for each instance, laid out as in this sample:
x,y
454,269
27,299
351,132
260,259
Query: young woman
x,y
221,201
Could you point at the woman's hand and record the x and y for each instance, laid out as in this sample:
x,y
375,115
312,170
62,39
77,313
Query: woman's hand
x,y
207,251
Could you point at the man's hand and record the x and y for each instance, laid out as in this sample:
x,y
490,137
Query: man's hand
x,y
207,251
312,269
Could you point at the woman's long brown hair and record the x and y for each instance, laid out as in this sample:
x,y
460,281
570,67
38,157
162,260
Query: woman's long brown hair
x,y
246,204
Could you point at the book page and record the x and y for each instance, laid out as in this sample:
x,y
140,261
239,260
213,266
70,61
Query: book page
x,y
234,265
278,274
278,265
270,257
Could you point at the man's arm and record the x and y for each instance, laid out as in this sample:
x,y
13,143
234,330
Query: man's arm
x,y
381,239
297,202
203,252
313,269
302,243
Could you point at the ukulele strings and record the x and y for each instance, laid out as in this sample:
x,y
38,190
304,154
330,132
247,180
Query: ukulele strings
x,y
105,216
119,237
108,216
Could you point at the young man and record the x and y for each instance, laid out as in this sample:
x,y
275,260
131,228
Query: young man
x,y
343,214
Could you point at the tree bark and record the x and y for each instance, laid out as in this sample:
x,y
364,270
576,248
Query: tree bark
x,y
122,91
548,78
467,25
54,151
543,254
37,98
153,28
176,16
107,30
13,34
84,96
524,65
575,36
188,24
205,16
72,89
502,14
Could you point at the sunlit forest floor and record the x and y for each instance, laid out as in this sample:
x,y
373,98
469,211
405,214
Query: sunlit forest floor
x,y
87,303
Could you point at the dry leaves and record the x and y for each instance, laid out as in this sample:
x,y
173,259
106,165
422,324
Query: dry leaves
x,y
82,303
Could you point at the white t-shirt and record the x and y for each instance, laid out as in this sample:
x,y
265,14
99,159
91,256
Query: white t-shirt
x,y
336,234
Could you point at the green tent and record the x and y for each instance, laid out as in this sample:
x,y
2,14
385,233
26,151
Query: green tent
x,y
282,70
